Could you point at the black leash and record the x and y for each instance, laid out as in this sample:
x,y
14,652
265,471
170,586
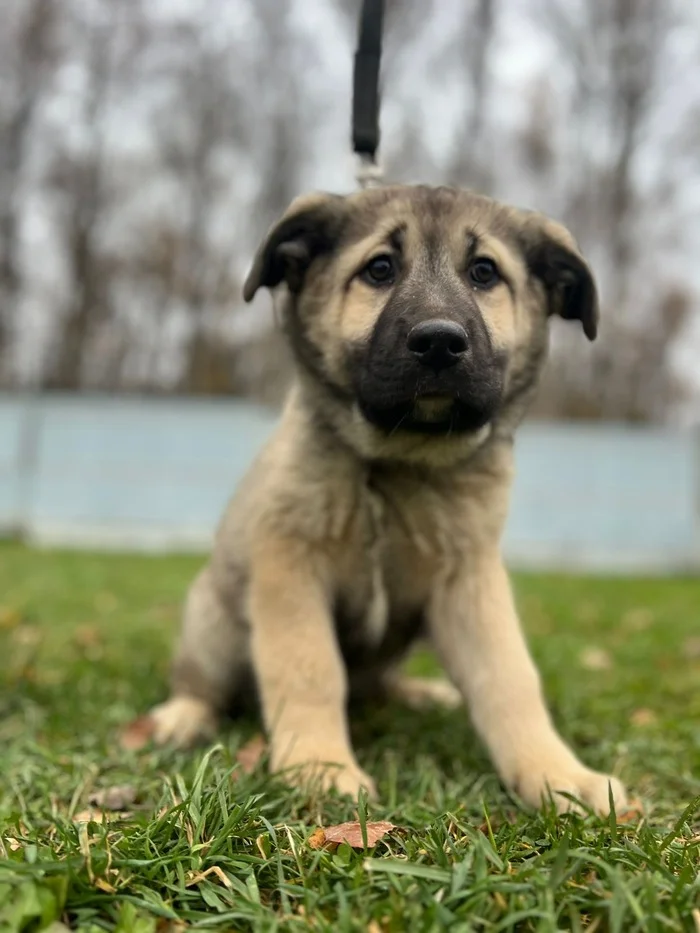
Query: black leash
x,y
365,92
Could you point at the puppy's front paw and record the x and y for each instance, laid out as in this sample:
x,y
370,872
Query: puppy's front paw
x,y
536,784
183,722
322,772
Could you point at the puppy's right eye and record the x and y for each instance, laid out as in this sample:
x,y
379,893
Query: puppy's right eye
x,y
379,271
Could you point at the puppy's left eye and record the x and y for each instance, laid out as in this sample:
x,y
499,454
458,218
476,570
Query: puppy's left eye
x,y
483,273
379,271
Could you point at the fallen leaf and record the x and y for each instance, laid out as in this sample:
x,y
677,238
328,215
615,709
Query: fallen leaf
x,y
588,612
28,636
137,734
92,815
105,886
638,619
165,925
119,797
317,839
9,618
691,647
595,659
87,635
643,717
249,755
350,833
106,602
194,877
632,813
501,902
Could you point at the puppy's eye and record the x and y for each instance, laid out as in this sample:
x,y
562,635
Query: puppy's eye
x,y
483,273
379,271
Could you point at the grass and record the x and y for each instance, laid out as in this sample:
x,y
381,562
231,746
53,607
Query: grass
x,y
85,641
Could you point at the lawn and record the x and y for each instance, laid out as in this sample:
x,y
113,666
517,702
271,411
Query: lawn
x,y
85,642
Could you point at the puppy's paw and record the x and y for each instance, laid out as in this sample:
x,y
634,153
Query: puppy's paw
x,y
183,722
321,773
419,693
537,785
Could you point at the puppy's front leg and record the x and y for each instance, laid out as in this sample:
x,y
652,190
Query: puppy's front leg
x,y
478,637
299,668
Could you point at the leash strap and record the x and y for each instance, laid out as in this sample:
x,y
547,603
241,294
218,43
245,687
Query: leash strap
x,y
365,93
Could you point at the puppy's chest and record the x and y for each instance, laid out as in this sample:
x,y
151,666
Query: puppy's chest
x,y
394,555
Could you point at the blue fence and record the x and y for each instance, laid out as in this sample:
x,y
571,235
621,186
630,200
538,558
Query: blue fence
x,y
156,474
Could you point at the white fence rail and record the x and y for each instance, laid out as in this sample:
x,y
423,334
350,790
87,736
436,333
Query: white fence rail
x,y
130,473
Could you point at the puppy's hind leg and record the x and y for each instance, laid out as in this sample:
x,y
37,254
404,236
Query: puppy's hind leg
x,y
211,661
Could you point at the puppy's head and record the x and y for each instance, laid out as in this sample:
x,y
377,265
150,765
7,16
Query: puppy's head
x,y
421,312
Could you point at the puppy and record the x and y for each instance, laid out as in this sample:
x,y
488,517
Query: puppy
x,y
418,318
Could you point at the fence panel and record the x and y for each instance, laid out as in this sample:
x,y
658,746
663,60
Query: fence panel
x,y
156,474
12,418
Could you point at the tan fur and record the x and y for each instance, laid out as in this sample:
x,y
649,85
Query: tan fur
x,y
341,534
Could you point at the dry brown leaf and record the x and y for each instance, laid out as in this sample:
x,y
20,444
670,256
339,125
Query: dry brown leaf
x,y
643,717
249,755
317,839
87,636
105,886
500,900
165,925
194,877
9,618
93,815
119,797
90,816
638,619
28,636
595,659
106,602
137,734
632,813
691,647
350,833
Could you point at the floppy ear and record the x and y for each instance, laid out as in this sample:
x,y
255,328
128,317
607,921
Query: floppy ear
x,y
554,258
310,226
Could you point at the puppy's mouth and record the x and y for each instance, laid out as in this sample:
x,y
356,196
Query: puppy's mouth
x,y
433,409
427,414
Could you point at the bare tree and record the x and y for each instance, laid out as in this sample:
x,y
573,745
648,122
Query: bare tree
x,y
614,50
27,55
80,178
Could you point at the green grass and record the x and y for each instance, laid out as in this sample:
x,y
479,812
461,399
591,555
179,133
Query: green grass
x,y
85,642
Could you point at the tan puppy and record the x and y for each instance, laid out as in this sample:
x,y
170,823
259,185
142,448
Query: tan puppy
x,y
418,319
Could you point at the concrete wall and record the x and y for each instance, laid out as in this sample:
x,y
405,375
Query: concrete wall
x,y
155,474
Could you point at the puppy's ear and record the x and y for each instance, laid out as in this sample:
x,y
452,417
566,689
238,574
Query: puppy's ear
x,y
309,227
554,257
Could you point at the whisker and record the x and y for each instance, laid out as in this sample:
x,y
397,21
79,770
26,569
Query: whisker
x,y
399,423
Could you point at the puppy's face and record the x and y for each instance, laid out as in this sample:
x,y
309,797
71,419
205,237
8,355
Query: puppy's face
x,y
422,311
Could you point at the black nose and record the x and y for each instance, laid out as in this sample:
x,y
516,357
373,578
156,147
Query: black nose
x,y
438,344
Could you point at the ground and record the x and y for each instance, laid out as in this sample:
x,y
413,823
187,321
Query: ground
x,y
84,643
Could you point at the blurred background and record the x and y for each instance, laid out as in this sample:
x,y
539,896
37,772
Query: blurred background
x,y
146,145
